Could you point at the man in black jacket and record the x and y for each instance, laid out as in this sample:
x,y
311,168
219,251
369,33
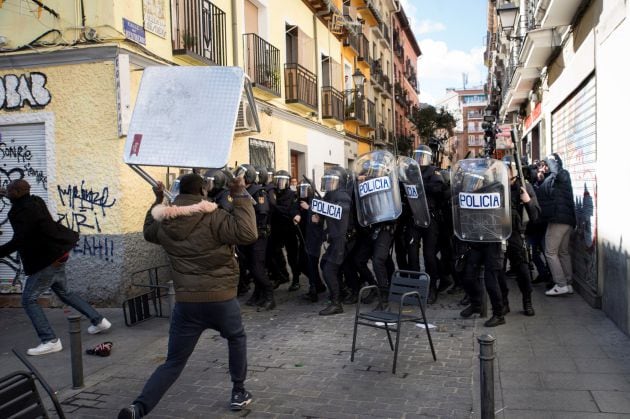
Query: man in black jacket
x,y
43,246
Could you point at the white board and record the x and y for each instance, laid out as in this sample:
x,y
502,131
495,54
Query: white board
x,y
184,116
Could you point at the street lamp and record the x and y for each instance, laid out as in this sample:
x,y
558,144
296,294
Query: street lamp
x,y
507,14
358,78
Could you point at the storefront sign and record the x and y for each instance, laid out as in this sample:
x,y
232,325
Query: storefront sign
x,y
154,17
134,32
15,91
533,116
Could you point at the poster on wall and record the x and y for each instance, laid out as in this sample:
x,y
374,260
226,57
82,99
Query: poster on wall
x,y
154,17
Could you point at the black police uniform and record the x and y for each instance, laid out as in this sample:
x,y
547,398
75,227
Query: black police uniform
x,y
434,188
255,253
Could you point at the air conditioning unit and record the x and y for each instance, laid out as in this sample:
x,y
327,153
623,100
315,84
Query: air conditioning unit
x,y
245,119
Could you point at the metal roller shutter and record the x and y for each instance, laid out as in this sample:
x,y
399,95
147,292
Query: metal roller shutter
x,y
22,155
574,138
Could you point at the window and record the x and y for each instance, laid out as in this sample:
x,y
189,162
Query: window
x,y
262,153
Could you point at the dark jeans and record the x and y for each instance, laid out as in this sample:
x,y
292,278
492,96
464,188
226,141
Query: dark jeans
x,y
430,237
381,258
517,256
490,256
188,321
53,277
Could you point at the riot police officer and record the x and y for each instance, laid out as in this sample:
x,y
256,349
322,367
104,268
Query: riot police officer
x,y
334,212
434,186
255,253
216,182
284,218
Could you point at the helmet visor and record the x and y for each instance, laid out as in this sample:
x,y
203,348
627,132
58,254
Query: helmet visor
x,y
423,157
240,171
330,183
304,190
282,182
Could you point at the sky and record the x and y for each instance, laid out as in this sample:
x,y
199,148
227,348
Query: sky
x,y
451,37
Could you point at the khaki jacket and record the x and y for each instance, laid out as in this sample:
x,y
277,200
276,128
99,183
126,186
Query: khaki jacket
x,y
199,239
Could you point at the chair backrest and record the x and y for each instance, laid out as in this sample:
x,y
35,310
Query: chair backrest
x,y
19,397
406,281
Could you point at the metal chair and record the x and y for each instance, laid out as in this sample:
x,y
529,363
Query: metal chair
x,y
148,304
19,397
408,289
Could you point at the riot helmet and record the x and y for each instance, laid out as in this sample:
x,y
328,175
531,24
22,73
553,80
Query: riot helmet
x,y
271,172
305,190
281,179
215,181
247,172
423,155
334,178
263,178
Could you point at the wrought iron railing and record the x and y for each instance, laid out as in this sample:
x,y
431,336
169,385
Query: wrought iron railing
x,y
354,106
332,103
352,41
300,85
371,114
200,29
364,49
262,63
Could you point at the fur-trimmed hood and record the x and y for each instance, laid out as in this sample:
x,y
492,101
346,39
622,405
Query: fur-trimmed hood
x,y
180,219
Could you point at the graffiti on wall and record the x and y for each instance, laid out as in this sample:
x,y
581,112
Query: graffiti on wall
x,y
16,91
84,209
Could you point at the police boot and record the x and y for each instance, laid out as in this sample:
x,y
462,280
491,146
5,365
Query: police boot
x,y
268,302
528,308
295,285
433,292
333,308
255,299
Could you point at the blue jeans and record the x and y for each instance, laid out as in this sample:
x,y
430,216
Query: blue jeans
x,y
188,321
53,277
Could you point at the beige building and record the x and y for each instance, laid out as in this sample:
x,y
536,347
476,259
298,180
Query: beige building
x,y
70,72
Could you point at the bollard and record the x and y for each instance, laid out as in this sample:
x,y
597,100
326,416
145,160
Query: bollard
x,y
171,298
76,351
486,375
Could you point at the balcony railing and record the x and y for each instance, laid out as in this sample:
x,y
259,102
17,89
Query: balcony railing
x,y
262,63
355,106
300,85
332,104
200,31
352,41
371,114
385,31
364,49
381,133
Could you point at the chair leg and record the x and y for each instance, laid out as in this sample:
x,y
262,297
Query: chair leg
x,y
389,337
396,350
426,327
354,339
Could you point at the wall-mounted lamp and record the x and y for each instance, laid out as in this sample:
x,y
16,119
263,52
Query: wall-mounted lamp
x,y
507,15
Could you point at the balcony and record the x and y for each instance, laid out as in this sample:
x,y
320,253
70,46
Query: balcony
x,y
354,106
371,115
376,74
557,12
332,104
364,49
300,86
387,86
352,41
538,46
385,38
369,11
262,63
381,134
199,32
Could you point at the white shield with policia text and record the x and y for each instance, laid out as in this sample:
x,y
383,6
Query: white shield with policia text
x,y
481,200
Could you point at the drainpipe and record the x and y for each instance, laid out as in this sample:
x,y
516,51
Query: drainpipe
x,y
391,45
234,34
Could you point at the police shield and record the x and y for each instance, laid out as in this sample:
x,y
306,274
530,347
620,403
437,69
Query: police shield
x,y
480,199
376,188
410,178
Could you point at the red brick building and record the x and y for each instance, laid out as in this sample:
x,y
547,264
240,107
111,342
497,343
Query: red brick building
x,y
406,53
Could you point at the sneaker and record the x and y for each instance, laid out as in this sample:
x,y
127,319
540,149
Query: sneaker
x,y
101,327
570,287
495,321
46,348
240,399
557,290
469,311
129,412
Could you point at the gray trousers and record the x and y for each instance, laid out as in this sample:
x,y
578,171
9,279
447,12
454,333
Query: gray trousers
x,y
557,253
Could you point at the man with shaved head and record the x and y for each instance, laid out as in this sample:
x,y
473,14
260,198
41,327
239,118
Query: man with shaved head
x,y
43,246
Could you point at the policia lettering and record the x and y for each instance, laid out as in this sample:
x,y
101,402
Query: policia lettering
x,y
479,200
326,209
374,185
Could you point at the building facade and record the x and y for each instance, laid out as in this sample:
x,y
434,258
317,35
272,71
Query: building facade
x,y
406,90
70,74
554,75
